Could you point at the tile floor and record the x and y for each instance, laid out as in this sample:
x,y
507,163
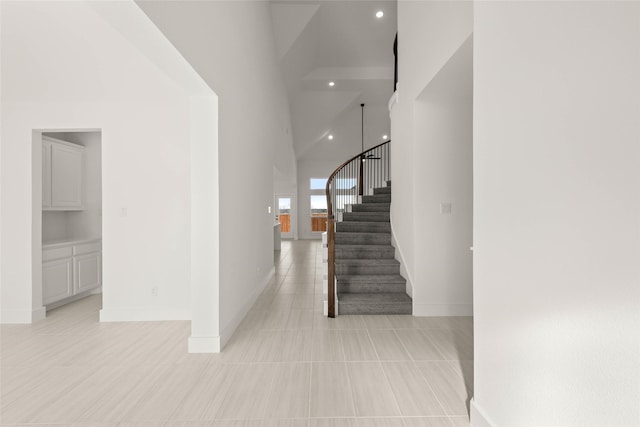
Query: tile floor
x,y
286,366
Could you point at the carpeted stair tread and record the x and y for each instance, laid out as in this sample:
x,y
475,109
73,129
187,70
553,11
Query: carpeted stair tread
x,y
364,251
371,207
374,303
367,266
371,298
382,190
366,216
379,283
363,227
377,198
349,238
378,278
368,261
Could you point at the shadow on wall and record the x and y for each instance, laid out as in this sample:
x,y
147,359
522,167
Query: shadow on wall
x,y
463,345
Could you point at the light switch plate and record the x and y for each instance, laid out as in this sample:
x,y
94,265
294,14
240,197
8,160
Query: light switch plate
x,y
445,208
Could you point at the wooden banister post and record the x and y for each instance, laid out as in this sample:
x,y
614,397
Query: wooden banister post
x,y
361,176
331,267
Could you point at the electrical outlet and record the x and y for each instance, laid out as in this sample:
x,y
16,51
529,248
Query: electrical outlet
x,y
445,208
154,291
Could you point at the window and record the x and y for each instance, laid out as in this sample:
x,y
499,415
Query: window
x,y
318,204
346,183
284,204
284,214
318,183
318,213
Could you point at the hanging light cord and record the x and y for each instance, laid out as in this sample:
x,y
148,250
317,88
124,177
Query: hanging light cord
x,y
362,126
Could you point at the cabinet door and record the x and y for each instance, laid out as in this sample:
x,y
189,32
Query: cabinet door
x,y
66,176
87,272
57,280
46,174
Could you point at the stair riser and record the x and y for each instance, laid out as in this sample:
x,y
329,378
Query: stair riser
x,y
363,239
371,207
357,288
366,216
382,190
363,227
379,198
367,269
365,252
399,308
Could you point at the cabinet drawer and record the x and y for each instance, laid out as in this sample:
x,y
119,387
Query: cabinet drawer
x,y
86,248
57,253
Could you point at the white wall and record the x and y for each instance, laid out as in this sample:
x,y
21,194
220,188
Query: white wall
x,y
443,162
557,208
64,67
231,46
54,226
431,130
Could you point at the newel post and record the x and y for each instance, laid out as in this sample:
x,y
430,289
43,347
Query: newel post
x,y
331,267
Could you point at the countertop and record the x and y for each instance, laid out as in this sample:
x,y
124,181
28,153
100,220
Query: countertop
x,y
68,242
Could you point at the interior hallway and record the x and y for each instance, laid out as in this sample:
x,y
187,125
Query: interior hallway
x,y
286,365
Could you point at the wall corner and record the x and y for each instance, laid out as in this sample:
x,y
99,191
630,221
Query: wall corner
x,y
478,417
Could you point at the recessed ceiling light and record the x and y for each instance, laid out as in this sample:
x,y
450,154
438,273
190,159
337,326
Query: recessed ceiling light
x,y
330,137
385,136
332,84
379,14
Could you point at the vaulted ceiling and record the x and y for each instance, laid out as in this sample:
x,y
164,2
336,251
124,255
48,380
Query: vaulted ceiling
x,y
322,41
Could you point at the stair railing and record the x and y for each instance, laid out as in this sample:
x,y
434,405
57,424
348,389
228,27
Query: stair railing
x,y
346,186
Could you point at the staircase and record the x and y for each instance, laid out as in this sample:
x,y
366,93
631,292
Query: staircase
x,y
367,274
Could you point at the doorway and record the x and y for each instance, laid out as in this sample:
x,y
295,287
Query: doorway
x,y
68,175
285,215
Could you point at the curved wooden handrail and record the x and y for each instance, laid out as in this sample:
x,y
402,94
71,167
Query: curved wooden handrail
x,y
331,220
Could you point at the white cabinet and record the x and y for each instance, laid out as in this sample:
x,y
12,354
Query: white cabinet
x,y
87,264
62,175
46,174
70,269
57,280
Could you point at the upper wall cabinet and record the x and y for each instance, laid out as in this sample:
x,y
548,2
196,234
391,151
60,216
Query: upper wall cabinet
x,y
62,175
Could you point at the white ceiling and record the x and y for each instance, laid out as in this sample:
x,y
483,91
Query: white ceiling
x,y
342,41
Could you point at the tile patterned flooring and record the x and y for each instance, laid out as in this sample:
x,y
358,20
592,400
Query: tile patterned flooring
x,y
286,366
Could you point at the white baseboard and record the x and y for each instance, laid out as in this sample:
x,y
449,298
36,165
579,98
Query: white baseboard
x,y
478,417
22,316
227,331
204,344
432,310
403,265
143,314
38,314
72,299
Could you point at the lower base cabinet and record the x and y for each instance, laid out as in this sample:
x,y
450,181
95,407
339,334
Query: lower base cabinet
x,y
57,280
70,269
86,269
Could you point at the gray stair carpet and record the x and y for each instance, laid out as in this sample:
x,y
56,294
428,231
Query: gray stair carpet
x,y
367,274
